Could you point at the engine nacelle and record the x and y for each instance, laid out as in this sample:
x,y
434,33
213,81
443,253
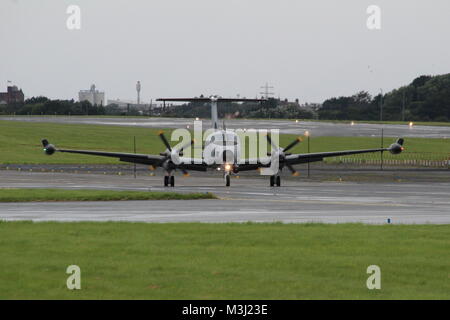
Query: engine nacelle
x,y
396,147
49,149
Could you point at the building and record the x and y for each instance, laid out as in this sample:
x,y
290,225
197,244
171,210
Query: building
x,y
122,103
128,105
13,95
92,95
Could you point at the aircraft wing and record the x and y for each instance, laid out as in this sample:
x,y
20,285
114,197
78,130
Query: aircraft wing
x,y
293,159
319,156
154,160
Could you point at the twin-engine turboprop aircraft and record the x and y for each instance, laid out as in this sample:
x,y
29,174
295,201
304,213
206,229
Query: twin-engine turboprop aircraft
x,y
225,154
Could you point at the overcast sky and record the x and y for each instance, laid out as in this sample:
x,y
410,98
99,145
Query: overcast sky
x,y
311,50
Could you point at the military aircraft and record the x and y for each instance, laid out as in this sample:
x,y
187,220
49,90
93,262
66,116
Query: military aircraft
x,y
225,155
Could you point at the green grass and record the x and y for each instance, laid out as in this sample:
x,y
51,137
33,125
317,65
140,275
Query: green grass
x,y
20,143
223,261
22,195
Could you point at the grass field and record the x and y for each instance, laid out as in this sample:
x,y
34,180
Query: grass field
x,y
22,195
223,261
20,143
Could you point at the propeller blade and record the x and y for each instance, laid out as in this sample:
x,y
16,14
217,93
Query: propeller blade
x,y
186,145
164,140
293,171
292,144
271,142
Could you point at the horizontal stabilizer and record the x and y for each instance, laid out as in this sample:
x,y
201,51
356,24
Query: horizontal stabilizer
x,y
210,99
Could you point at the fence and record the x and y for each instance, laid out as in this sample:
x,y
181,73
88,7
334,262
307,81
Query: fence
x,y
410,159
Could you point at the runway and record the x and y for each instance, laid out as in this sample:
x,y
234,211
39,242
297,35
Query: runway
x,y
248,199
285,126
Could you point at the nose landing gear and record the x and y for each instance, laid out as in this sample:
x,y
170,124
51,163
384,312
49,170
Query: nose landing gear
x,y
227,179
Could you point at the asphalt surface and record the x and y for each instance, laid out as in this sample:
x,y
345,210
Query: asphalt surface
x,y
285,126
248,199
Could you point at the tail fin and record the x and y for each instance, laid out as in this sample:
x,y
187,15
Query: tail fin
x,y
44,142
400,141
214,116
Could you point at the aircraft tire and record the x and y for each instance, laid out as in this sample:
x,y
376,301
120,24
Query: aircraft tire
x,y
166,181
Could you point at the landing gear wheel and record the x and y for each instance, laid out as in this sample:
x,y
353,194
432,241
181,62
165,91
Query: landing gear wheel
x,y
166,181
172,181
272,181
227,180
278,181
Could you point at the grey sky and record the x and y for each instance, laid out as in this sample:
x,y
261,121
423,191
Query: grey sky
x,y
309,50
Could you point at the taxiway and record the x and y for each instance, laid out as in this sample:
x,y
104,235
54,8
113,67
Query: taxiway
x,y
248,199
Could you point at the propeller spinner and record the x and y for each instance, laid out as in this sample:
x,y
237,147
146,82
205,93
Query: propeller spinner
x,y
282,153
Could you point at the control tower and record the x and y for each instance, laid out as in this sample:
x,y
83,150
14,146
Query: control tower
x,y
138,89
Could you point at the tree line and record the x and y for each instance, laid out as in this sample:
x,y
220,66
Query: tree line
x,y
45,106
426,98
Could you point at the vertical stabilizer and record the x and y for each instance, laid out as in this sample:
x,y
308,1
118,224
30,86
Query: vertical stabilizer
x,y
214,116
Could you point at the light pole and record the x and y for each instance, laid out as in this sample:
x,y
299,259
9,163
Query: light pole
x,y
307,137
382,143
403,106
381,105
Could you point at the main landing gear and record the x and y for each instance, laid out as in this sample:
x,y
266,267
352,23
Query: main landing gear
x,y
275,180
169,180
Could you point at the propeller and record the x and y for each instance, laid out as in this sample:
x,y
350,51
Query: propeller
x,y
173,155
281,153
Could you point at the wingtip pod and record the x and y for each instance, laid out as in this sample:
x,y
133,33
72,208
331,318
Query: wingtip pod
x,y
397,147
49,149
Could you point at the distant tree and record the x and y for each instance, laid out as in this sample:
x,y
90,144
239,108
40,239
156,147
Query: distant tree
x,y
427,98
